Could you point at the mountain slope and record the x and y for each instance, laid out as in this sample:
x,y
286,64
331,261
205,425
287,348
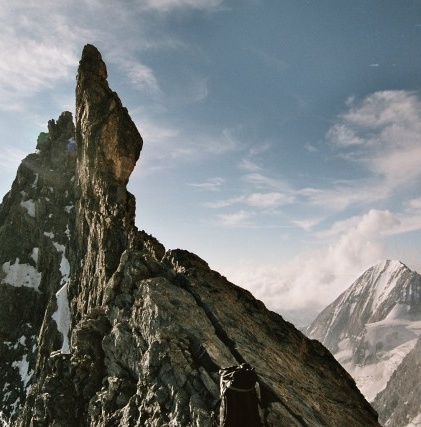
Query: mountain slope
x,y
372,326
120,331
399,403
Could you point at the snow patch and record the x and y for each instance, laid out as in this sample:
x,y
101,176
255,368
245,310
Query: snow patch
x,y
29,205
49,234
35,255
68,208
64,263
21,341
25,373
399,311
35,183
415,422
389,270
67,231
21,275
15,406
372,379
62,317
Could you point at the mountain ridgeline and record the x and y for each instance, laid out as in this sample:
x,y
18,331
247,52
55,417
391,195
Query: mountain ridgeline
x,y
100,325
374,330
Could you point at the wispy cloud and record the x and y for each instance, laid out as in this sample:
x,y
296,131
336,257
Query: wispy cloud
x,y
241,218
41,50
260,201
251,162
409,218
10,158
261,181
211,184
140,76
170,5
268,200
306,224
415,204
249,165
382,133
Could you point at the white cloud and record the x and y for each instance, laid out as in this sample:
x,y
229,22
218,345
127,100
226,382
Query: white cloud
x,y
38,50
211,184
409,218
261,201
306,224
169,5
217,204
310,281
249,165
250,162
236,219
268,200
41,50
344,195
343,136
261,181
382,133
140,76
415,204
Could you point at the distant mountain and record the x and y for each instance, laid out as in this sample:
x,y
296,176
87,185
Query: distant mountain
x,y
100,325
372,329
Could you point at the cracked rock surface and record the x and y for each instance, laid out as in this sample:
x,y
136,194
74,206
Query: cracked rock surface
x,y
148,328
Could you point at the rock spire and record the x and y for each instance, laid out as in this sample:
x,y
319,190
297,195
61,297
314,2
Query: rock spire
x,y
148,328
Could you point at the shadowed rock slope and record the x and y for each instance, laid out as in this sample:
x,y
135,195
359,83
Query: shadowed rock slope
x,y
112,329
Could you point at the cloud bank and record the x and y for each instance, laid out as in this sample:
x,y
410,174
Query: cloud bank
x,y
310,281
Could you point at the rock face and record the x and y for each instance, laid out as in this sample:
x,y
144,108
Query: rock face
x,y
373,329
101,326
399,402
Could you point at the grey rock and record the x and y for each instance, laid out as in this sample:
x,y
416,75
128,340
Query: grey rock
x,y
148,328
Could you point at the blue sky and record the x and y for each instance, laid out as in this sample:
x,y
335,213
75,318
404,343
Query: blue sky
x,y
282,139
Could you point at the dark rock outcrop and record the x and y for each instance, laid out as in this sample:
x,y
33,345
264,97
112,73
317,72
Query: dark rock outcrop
x,y
115,330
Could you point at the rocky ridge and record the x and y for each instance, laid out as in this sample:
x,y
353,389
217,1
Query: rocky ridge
x,y
100,325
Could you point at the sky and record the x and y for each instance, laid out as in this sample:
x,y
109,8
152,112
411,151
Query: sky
x,y
282,138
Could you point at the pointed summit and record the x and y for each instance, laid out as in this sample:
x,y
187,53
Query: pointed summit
x,y
110,142
91,64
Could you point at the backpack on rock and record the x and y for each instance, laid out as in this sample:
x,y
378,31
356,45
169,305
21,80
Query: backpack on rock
x,y
239,400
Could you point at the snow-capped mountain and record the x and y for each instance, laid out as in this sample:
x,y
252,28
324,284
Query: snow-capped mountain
x,y
372,326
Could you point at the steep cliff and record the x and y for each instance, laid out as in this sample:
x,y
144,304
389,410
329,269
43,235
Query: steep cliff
x,y
102,326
